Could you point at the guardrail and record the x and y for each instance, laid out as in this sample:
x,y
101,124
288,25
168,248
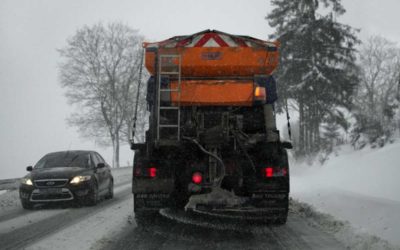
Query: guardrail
x,y
9,183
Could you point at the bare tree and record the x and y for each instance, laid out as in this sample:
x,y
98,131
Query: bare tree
x,y
376,101
100,72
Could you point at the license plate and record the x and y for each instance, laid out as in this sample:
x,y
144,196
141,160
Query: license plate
x,y
50,191
153,196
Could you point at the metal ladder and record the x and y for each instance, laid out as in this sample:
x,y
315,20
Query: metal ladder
x,y
167,67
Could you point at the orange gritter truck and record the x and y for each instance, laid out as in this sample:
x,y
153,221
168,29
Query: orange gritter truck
x,y
212,148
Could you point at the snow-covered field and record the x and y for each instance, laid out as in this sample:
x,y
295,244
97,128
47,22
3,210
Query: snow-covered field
x,y
360,187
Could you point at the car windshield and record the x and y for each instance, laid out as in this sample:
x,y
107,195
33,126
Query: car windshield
x,y
63,159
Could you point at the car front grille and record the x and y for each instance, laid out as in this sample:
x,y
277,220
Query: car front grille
x,y
56,194
51,183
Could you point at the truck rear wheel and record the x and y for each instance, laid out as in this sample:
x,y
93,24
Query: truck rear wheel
x,y
281,220
282,217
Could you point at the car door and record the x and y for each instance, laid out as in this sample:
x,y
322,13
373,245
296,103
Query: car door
x,y
98,172
103,173
107,168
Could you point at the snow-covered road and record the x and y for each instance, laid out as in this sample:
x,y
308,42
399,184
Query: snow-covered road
x,y
166,234
110,225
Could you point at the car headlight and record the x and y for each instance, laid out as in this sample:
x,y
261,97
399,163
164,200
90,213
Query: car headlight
x,y
79,179
26,181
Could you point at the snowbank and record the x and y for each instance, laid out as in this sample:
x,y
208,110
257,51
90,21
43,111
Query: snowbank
x,y
371,172
9,200
361,187
342,230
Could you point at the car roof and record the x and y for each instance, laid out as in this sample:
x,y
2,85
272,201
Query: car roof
x,y
74,152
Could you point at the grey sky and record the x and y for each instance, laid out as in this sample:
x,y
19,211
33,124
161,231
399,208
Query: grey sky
x,y
33,108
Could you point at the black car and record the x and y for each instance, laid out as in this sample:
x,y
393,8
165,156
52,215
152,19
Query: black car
x,y
81,176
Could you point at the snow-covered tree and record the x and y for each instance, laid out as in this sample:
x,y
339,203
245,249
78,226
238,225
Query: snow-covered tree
x,y
376,99
317,67
100,70
330,135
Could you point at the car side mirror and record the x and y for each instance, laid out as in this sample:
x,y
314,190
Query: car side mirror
x,y
101,165
29,168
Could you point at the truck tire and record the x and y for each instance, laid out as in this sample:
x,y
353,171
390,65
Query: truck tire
x,y
281,220
282,217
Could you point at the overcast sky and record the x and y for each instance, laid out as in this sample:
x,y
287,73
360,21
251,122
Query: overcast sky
x,y
33,108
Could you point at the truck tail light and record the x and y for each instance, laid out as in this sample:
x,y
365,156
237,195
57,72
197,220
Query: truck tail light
x,y
197,178
270,172
152,172
145,172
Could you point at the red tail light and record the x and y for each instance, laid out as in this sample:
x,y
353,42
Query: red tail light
x,y
269,172
197,178
152,172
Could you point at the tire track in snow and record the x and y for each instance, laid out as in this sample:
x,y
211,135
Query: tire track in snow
x,y
161,233
32,232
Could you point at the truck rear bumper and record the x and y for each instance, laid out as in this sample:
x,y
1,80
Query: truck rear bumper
x,y
150,186
151,202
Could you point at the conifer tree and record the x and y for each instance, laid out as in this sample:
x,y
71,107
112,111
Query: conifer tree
x,y
317,68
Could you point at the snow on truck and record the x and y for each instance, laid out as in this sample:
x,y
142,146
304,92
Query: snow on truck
x,y
212,147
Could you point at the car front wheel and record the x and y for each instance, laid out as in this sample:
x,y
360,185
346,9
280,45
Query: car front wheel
x,y
27,205
93,195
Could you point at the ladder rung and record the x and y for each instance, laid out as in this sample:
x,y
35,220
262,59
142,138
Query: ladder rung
x,y
169,73
168,142
170,68
167,107
168,126
166,56
169,90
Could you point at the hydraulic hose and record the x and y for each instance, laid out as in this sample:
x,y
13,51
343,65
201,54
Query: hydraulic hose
x,y
217,182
